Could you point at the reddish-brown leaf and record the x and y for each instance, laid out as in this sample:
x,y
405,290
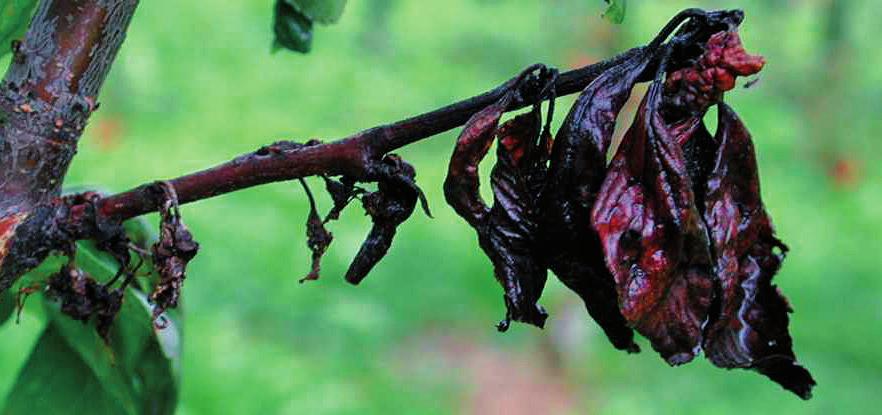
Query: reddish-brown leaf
x,y
751,329
653,239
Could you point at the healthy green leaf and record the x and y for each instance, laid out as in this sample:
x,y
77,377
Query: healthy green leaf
x,y
615,12
320,11
56,380
7,306
293,29
14,18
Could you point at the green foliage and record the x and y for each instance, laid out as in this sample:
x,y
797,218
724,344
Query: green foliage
x,y
72,369
14,18
56,380
615,12
293,21
7,306
320,11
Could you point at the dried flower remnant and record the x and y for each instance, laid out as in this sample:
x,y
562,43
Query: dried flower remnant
x,y
171,253
83,298
751,329
318,238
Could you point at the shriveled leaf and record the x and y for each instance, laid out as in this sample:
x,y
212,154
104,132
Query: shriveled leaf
x,y
14,18
505,230
615,12
391,205
578,166
320,11
751,330
653,237
318,238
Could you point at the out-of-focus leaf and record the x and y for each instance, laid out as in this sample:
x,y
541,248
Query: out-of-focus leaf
x,y
320,11
293,29
14,18
56,380
615,12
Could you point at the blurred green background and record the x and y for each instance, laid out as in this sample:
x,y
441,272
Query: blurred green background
x,y
195,84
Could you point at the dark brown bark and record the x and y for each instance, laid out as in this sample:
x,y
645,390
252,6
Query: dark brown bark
x,y
50,90
46,97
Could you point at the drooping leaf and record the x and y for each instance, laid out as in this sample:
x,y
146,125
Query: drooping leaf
x,y
615,12
751,329
578,166
654,240
506,231
320,11
391,205
14,18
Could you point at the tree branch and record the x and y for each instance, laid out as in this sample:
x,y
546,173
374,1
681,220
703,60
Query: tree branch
x,y
351,156
46,97
50,90
355,155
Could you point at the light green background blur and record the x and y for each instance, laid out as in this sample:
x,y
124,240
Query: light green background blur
x,y
195,84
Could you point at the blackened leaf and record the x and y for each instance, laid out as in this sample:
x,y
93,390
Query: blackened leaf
x,y
509,237
653,239
14,18
751,330
578,166
320,11
388,207
615,12
506,231
292,28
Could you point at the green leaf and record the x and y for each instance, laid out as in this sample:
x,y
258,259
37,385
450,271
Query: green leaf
x,y
615,12
138,372
293,29
320,11
56,380
7,306
14,18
